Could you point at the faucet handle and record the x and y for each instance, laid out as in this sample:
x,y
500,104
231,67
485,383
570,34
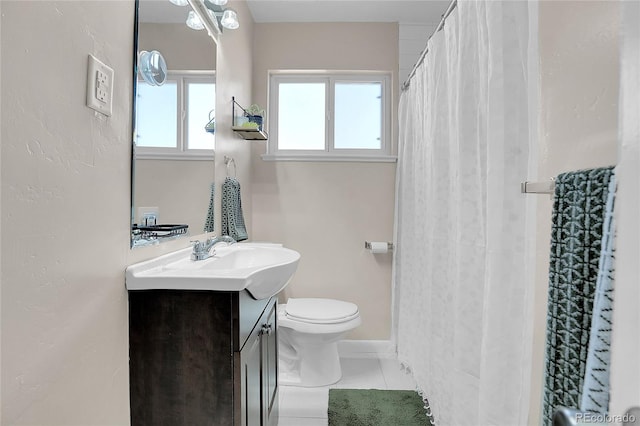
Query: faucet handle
x,y
197,245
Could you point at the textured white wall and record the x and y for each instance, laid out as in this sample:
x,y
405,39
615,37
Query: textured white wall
x,y
579,77
65,204
326,211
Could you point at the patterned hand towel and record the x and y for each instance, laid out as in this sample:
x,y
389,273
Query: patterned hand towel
x,y
209,223
595,391
576,240
232,218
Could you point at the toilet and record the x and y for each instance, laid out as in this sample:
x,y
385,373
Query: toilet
x,y
308,332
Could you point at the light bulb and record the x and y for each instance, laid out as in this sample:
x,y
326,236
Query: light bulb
x,y
179,2
194,22
230,19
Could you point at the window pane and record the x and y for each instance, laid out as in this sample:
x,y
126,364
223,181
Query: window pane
x,y
201,98
156,115
358,116
301,116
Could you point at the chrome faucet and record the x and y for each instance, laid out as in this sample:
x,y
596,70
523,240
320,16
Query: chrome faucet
x,y
202,250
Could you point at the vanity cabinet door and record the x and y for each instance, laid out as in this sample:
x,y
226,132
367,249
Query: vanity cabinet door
x,y
269,349
180,363
259,372
251,381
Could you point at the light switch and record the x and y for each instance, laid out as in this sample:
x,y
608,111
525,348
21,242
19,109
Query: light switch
x,y
99,86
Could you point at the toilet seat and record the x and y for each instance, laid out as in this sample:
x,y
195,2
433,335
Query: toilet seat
x,y
320,311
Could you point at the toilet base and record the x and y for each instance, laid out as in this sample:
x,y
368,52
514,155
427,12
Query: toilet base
x,y
311,366
308,348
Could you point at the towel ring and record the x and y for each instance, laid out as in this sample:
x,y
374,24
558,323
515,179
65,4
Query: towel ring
x,y
229,160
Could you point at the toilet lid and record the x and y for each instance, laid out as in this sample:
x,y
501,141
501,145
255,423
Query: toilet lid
x,y
320,310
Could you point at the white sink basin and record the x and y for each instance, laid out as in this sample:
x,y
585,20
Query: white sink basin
x,y
261,269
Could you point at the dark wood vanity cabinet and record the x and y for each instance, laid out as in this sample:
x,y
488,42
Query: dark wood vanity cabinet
x,y
202,358
259,374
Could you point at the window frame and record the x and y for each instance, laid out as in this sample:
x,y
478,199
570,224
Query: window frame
x,y
330,153
181,151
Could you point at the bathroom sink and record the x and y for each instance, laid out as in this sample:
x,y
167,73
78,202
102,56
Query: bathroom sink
x,y
261,269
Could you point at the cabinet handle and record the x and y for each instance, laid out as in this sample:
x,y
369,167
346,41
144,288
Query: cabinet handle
x,y
266,329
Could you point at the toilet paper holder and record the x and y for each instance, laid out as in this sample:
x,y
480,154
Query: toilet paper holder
x,y
367,245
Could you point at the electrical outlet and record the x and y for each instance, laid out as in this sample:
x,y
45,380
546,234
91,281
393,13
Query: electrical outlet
x,y
102,88
148,216
99,86
149,219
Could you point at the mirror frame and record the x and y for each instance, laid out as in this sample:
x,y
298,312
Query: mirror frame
x,y
134,82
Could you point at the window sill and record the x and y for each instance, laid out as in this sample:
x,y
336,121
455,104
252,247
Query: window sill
x,y
209,156
331,158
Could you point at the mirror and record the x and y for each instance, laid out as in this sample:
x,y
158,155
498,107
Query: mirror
x,y
174,125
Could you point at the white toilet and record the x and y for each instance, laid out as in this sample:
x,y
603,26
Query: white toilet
x,y
308,332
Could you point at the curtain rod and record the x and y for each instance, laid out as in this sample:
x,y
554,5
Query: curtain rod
x,y
446,14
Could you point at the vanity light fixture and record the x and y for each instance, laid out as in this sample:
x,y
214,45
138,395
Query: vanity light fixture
x,y
218,18
194,22
225,17
230,19
179,2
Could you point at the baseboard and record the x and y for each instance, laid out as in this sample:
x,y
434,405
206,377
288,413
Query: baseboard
x,y
367,349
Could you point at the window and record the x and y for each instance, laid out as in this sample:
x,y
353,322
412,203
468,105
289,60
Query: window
x,y
171,119
329,117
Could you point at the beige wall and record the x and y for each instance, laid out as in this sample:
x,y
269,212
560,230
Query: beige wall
x,y
180,189
65,201
327,210
579,78
182,47
234,79
65,208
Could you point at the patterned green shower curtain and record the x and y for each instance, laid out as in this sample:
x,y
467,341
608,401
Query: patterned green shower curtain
x,y
576,241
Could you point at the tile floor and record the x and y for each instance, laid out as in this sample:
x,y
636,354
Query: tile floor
x,y
308,406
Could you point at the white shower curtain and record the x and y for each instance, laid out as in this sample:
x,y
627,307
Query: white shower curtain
x,y
464,262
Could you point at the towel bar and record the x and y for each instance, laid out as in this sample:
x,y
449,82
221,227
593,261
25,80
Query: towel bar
x,y
538,187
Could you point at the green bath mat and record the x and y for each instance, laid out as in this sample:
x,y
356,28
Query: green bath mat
x,y
370,407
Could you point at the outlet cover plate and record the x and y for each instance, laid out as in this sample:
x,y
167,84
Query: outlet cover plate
x,y
99,86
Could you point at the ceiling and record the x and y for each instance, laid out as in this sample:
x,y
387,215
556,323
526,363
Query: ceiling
x,y
405,11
